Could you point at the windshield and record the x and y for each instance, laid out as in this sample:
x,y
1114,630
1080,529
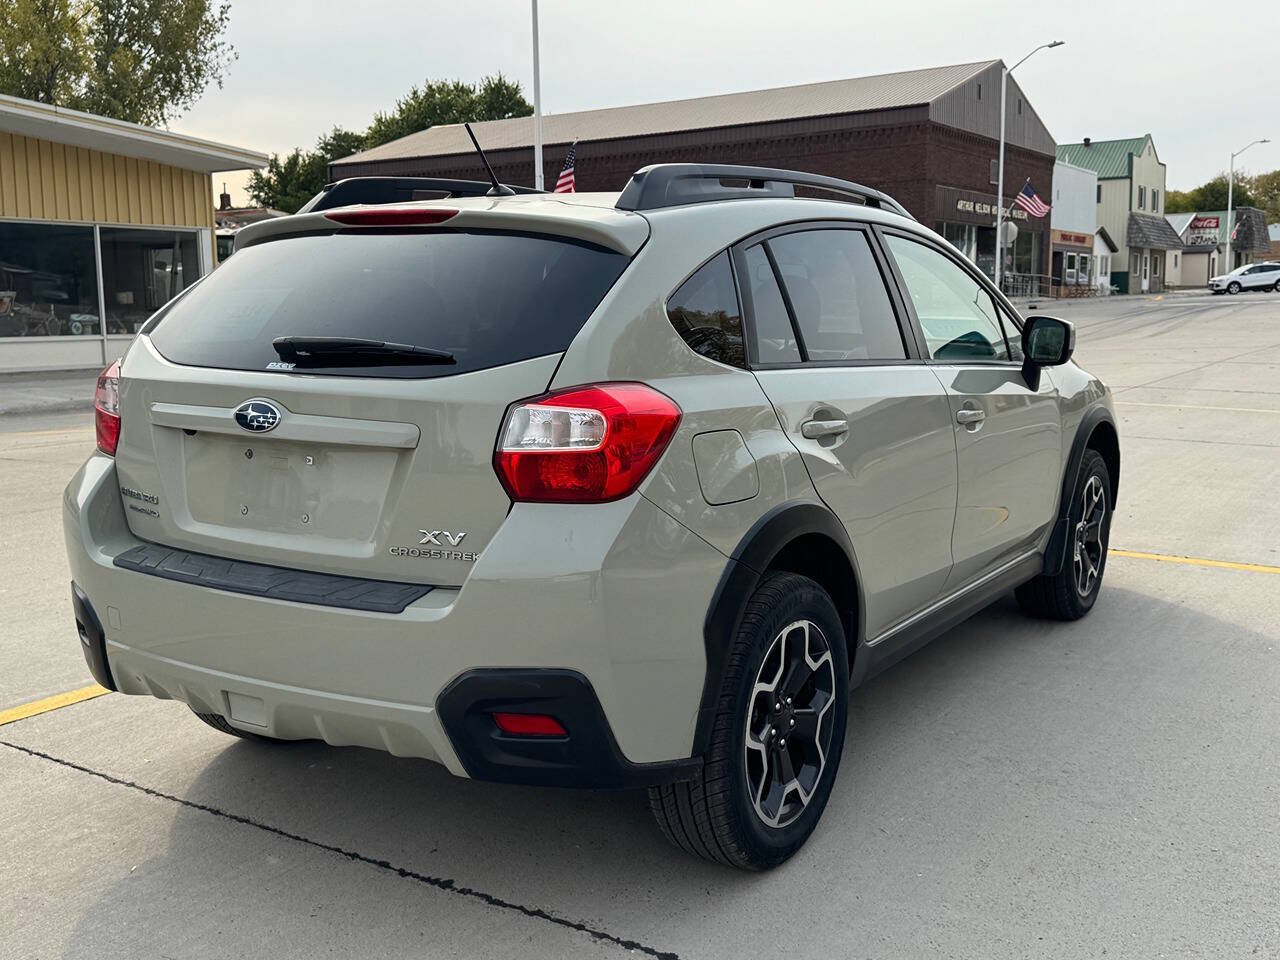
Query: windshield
x,y
486,298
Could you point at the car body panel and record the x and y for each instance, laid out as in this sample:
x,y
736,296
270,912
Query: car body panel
x,y
622,593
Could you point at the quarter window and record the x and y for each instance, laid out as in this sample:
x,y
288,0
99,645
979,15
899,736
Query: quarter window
x,y
838,296
705,313
957,314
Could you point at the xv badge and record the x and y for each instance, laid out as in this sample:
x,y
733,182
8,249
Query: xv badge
x,y
432,536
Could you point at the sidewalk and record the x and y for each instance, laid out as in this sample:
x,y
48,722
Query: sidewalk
x,y
25,393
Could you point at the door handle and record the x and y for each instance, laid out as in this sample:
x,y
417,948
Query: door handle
x,y
967,416
817,429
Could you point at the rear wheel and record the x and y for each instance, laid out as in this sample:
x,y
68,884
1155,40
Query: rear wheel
x,y
777,736
1073,590
219,723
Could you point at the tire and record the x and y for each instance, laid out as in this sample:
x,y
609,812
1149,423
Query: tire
x,y
1062,596
1233,287
715,816
218,722
1275,287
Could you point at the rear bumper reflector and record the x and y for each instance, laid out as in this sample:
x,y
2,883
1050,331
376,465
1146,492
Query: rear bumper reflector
x,y
275,583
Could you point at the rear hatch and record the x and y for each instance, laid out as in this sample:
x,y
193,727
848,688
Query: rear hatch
x,y
338,457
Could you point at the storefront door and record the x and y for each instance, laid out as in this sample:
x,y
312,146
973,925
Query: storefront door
x,y
1146,271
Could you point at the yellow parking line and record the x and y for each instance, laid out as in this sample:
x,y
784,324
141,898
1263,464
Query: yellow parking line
x,y
1195,561
56,702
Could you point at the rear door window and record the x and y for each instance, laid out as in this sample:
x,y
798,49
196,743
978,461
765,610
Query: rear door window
x,y
705,313
775,338
488,298
838,296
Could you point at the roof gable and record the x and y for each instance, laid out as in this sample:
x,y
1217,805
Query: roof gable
x,y
1109,159
910,88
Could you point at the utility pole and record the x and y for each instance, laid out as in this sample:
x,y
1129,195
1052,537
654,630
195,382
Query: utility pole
x,y
537,106
1004,89
1231,183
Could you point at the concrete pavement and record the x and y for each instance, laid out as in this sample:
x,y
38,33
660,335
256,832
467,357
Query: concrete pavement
x,y
1016,789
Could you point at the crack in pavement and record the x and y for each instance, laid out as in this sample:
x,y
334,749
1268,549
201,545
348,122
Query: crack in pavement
x,y
440,883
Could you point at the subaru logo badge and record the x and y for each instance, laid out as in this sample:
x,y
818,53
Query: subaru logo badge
x,y
257,416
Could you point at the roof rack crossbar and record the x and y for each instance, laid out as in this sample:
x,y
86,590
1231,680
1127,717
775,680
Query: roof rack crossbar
x,y
676,184
379,190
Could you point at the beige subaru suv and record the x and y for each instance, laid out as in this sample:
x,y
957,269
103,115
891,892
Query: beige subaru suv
x,y
597,490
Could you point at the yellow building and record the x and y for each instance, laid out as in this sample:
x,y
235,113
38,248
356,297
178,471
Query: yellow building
x,y
101,223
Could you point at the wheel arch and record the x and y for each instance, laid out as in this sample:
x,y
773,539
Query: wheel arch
x,y
799,537
1097,431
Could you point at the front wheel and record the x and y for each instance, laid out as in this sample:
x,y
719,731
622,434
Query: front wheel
x,y
777,736
1073,590
1233,287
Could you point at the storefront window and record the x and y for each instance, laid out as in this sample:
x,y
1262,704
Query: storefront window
x,y
48,283
142,270
1026,253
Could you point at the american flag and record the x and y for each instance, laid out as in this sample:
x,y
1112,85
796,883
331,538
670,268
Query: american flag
x,y
566,183
1030,202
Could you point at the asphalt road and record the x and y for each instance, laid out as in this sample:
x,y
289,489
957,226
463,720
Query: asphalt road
x,y
1017,789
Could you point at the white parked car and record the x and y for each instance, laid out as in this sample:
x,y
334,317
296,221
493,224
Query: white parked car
x,y
1253,276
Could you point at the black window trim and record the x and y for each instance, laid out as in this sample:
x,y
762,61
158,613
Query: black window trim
x,y
999,300
910,341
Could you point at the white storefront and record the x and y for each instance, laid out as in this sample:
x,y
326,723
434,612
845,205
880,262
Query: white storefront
x,y
1073,221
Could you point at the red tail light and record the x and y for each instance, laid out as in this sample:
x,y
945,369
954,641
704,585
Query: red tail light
x,y
585,444
392,216
529,725
106,409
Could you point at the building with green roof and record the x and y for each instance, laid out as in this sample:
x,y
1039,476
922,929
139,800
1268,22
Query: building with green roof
x,y
1131,195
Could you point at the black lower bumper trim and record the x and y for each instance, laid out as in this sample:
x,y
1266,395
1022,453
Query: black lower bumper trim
x,y
93,641
587,757
276,583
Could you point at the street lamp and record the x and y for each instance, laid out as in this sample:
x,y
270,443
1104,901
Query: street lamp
x,y
1231,182
1004,82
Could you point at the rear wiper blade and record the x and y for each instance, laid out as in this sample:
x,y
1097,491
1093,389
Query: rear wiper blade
x,y
354,352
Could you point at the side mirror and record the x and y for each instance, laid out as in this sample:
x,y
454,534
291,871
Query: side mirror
x,y
1048,341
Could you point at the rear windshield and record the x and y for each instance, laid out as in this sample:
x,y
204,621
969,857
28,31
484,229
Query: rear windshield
x,y
487,298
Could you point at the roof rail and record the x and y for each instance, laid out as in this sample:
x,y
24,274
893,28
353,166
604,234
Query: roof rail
x,y
378,190
676,184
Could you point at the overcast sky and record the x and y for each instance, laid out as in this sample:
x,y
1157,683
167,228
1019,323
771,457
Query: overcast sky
x,y
1202,84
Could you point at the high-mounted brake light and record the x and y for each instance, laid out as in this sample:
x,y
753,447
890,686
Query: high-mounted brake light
x,y
106,409
392,216
586,444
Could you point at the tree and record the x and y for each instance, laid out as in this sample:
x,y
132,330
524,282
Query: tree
x,y
1212,195
145,61
448,101
1266,192
43,52
291,181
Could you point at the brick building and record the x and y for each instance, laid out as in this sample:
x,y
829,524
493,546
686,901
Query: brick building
x,y
927,137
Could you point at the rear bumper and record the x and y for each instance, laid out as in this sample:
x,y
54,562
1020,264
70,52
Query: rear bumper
x,y
614,595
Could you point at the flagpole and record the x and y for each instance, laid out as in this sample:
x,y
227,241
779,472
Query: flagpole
x,y
537,106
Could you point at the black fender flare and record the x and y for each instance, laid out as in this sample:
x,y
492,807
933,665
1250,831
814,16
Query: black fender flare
x,y
752,556
1055,553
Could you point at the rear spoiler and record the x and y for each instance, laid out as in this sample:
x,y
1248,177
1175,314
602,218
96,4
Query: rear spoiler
x,y
379,190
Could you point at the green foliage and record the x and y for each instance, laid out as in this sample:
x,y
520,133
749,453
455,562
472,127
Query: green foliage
x,y
1212,195
145,61
292,180
43,50
1266,193
448,101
